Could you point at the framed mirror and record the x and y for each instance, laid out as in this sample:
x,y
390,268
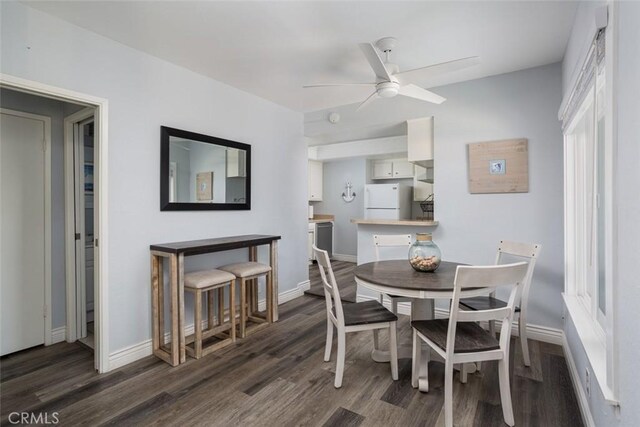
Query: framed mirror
x,y
201,172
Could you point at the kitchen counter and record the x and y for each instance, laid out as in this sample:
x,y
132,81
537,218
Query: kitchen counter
x,y
322,218
406,222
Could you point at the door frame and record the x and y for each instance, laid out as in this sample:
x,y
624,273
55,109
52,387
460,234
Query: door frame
x,y
47,216
101,180
70,169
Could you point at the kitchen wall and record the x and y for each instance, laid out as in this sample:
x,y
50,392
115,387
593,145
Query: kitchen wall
x,y
623,26
335,176
57,111
514,105
144,93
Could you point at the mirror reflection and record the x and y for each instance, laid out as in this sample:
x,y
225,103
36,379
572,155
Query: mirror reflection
x,y
201,172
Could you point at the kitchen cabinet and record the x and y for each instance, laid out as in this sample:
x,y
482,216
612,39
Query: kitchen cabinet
x,y
236,163
420,141
392,169
315,181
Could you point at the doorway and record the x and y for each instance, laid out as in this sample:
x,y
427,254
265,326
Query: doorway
x,y
100,224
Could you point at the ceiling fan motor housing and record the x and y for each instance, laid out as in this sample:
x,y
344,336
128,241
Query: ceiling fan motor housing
x,y
387,89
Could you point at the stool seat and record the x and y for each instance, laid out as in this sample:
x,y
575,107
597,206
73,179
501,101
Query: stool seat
x,y
246,269
207,278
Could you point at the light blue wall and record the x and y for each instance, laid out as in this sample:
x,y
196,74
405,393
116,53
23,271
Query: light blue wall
x,y
335,175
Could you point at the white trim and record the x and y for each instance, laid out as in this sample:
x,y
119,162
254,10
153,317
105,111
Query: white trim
x,y
145,348
69,214
47,309
581,396
58,334
101,157
344,257
534,332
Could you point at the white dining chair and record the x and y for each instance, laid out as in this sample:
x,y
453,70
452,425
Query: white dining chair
x,y
459,339
514,250
352,317
392,241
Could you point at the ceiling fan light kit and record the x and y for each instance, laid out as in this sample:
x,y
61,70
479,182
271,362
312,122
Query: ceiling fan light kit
x,y
390,82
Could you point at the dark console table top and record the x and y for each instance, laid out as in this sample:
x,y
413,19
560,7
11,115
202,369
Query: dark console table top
x,y
203,246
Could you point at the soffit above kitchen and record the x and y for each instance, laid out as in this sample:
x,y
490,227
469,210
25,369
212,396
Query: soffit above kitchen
x,y
271,49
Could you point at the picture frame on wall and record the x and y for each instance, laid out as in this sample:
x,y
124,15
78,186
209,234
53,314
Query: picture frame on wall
x,y
498,166
204,186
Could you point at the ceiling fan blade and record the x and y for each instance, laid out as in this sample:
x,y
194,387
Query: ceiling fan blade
x,y
413,91
367,101
409,76
375,61
338,84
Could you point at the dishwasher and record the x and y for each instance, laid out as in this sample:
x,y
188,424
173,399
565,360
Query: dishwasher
x,y
324,237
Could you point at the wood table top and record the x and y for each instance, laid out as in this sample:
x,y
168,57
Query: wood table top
x,y
203,246
400,275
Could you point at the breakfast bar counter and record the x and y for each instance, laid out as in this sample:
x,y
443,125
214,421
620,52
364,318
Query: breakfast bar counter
x,y
174,351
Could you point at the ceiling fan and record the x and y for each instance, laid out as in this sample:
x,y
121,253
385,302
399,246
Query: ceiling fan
x,y
391,82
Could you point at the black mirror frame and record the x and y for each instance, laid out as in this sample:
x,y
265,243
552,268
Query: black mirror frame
x,y
165,205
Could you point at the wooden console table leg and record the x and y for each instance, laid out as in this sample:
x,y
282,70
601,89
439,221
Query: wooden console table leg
x,y
183,354
161,325
156,308
273,255
175,311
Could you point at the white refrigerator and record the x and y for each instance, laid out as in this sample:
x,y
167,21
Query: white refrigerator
x,y
387,201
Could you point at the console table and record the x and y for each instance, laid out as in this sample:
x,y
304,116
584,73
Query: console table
x,y
174,351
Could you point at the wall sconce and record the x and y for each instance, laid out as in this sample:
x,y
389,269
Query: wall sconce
x,y
349,195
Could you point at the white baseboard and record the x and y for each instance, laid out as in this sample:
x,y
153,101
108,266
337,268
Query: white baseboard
x,y
581,396
535,332
135,352
346,258
58,334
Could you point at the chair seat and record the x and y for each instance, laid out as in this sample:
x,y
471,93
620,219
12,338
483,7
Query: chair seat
x,y
207,278
484,303
470,337
246,269
363,313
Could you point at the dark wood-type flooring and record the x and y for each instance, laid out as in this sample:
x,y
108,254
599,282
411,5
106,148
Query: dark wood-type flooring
x,y
343,272
277,377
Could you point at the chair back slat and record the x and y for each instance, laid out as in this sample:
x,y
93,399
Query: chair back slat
x,y
518,250
390,241
330,285
491,276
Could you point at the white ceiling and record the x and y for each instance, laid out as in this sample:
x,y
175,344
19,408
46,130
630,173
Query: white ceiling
x,y
271,48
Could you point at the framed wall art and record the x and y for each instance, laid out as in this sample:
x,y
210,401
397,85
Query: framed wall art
x,y
498,166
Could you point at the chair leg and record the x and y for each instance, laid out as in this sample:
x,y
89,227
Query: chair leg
x,y
340,357
210,314
381,298
463,374
394,306
376,339
448,393
232,308
197,343
524,340
243,308
393,350
492,328
505,391
329,343
415,360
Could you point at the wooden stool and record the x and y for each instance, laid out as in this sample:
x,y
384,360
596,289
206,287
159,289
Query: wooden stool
x,y
246,272
207,281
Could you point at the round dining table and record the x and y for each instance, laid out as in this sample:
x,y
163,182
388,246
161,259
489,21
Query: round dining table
x,y
397,277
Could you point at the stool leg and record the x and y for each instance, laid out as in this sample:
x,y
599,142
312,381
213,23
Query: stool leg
x,y
243,308
210,314
198,324
232,308
254,296
220,306
270,297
